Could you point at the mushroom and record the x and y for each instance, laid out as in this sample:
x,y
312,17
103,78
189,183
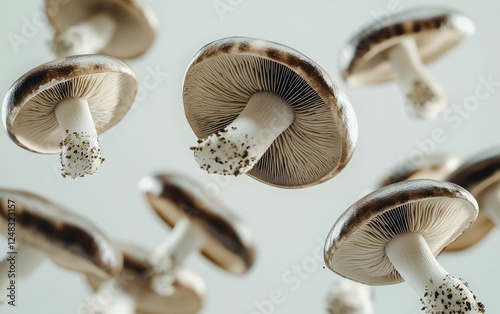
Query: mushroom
x,y
61,106
134,283
434,167
395,233
481,177
263,108
349,297
67,239
120,28
199,223
399,47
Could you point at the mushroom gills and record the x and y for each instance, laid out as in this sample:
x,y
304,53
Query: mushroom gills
x,y
185,238
88,37
80,152
425,98
440,291
235,149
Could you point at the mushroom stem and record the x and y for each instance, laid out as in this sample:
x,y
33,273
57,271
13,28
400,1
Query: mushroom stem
x,y
425,98
184,239
440,291
490,202
239,146
80,152
18,267
88,37
110,299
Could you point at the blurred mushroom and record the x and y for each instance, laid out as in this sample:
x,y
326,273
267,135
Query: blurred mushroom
x,y
434,167
67,239
134,284
349,297
394,233
199,223
75,99
266,109
399,47
481,177
120,28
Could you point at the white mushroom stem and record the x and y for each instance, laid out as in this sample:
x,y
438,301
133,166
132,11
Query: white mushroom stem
x,y
18,267
424,96
80,152
349,297
440,292
489,201
239,146
88,37
185,238
110,299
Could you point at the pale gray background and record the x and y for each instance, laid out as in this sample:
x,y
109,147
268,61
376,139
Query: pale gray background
x,y
286,224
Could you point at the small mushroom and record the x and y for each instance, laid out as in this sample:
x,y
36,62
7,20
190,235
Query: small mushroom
x,y
67,239
435,167
399,47
263,108
134,283
199,223
481,177
395,233
120,28
61,106
349,297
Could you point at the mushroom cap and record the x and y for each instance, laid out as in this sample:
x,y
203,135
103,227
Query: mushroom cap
x,y
355,247
68,239
435,31
223,76
135,279
435,167
109,85
136,23
476,176
229,243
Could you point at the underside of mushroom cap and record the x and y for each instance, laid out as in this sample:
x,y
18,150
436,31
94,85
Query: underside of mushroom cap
x,y
476,176
435,31
109,85
355,247
229,242
136,22
188,296
68,240
318,144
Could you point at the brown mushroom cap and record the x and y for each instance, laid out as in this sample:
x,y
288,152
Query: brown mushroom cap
x,y
109,85
476,176
69,240
229,244
355,247
319,143
135,279
435,31
136,22
436,167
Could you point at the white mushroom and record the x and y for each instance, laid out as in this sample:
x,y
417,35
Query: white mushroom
x,y
349,297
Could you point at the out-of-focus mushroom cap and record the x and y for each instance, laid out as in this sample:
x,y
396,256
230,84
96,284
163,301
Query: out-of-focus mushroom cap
x,y
136,23
355,247
435,31
109,85
69,240
188,297
319,143
229,243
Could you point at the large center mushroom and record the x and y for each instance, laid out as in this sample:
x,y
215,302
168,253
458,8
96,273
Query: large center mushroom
x,y
394,234
262,108
62,106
